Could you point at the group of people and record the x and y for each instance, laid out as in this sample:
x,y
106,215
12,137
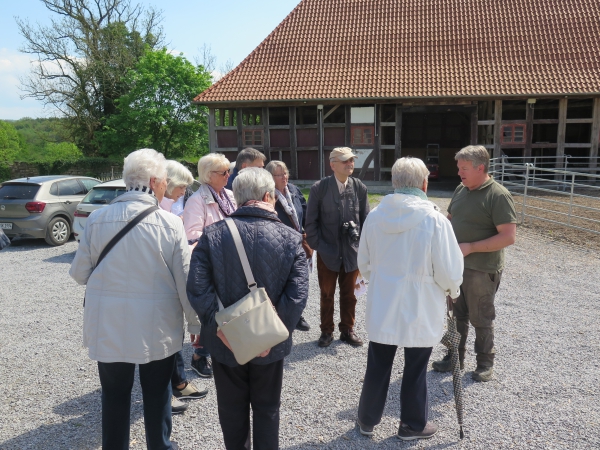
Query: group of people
x,y
160,252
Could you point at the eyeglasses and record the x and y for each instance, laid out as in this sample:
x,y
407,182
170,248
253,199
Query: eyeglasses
x,y
225,172
348,161
285,175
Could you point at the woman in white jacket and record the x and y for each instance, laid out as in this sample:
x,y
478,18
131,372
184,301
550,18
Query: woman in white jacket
x,y
410,256
135,301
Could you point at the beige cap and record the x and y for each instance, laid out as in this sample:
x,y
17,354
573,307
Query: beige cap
x,y
342,154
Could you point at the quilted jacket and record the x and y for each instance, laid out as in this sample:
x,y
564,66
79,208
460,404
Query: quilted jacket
x,y
278,264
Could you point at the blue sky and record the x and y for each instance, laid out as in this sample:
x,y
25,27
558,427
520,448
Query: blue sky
x,y
231,28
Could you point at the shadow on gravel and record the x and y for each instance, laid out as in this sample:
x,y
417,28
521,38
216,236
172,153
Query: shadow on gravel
x,y
309,350
66,258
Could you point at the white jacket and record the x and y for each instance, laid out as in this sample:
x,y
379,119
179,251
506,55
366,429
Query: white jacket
x,y
136,297
410,256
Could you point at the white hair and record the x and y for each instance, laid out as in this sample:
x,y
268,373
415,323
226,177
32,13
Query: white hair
x,y
141,165
177,176
252,183
477,154
409,172
210,162
274,165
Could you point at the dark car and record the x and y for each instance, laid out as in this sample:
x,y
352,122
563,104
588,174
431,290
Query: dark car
x,y
42,207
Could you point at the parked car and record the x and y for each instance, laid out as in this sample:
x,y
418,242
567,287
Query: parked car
x,y
42,207
101,195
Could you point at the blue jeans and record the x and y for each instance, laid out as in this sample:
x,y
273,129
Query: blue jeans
x,y
117,381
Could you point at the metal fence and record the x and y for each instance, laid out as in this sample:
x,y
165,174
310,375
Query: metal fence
x,y
109,176
563,197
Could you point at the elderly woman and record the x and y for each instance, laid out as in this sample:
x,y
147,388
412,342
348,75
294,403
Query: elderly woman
x,y
278,264
291,210
135,301
406,301
178,179
209,204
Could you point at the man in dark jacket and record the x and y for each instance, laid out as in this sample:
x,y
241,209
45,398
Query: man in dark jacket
x,y
337,208
249,157
278,264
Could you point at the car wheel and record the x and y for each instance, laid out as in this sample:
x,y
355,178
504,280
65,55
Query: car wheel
x,y
58,231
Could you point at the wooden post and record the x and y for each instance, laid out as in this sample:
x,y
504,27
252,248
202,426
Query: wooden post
x,y
474,129
211,130
320,139
398,150
377,146
497,129
595,135
240,128
266,135
562,128
293,144
528,129
348,128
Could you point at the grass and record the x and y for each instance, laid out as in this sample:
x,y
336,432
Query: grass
x,y
374,199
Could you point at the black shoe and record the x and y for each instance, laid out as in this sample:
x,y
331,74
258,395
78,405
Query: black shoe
x,y
325,340
351,338
406,433
302,325
445,364
365,430
202,366
482,373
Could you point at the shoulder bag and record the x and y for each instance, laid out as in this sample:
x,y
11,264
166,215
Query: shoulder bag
x,y
251,325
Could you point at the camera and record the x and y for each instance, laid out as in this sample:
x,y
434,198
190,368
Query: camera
x,y
351,229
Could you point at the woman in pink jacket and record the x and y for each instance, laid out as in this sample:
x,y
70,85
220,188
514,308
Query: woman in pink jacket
x,y
209,204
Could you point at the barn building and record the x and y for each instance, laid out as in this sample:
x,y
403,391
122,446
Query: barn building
x,y
392,78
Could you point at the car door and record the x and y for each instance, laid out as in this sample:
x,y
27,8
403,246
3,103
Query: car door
x,y
70,192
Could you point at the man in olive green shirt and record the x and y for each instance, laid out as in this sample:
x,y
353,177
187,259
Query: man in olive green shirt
x,y
483,216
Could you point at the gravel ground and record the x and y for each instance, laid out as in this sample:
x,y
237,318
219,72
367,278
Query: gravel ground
x,y
544,394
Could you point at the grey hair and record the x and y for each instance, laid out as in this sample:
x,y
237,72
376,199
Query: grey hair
x,y
409,172
177,175
247,156
477,154
252,183
210,162
274,165
141,165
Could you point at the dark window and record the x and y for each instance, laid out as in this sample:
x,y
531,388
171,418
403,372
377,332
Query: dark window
x,y
253,138
88,184
279,116
252,116
485,110
103,196
70,187
545,109
578,133
514,109
580,109
337,116
306,115
362,135
388,135
545,133
225,117
18,191
388,113
512,134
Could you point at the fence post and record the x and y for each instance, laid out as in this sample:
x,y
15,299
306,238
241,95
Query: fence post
x,y
571,201
502,177
527,165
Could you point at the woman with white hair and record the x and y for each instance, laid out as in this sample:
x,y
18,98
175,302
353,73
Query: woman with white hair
x,y
209,204
410,256
278,264
135,300
178,179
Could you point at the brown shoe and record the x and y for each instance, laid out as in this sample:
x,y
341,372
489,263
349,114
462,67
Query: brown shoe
x,y
351,338
325,340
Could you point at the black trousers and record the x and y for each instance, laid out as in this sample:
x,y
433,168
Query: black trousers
x,y
240,387
117,381
414,404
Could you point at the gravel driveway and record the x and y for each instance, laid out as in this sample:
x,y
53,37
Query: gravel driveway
x,y
544,395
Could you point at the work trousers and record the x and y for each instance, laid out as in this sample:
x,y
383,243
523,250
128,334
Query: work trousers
x,y
475,304
327,282
414,402
116,380
240,387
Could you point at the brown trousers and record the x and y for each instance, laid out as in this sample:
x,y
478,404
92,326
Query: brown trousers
x,y
327,281
476,305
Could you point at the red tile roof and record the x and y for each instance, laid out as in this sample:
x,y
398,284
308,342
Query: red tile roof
x,y
389,49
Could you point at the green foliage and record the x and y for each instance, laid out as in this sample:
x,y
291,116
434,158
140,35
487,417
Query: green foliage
x,y
5,173
92,166
37,134
157,110
10,143
65,151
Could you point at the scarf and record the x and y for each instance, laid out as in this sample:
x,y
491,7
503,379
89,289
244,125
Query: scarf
x,y
142,189
223,200
411,191
286,201
262,205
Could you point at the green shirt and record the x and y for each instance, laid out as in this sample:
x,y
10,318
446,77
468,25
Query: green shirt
x,y
475,216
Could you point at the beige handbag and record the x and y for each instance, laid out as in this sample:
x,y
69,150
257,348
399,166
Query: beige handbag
x,y
251,325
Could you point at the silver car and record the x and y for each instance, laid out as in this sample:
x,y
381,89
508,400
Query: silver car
x,y
42,207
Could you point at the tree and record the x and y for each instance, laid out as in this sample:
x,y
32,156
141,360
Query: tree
x,y
83,56
157,110
10,143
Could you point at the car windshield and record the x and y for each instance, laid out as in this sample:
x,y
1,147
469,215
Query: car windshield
x,y
18,191
103,196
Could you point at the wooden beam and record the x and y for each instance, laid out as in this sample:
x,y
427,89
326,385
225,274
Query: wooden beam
x,y
266,134
595,135
240,128
474,126
212,136
320,138
562,128
293,145
528,129
377,142
348,122
497,128
398,138
330,111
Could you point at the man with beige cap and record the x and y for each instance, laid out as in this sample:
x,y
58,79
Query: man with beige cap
x,y
337,208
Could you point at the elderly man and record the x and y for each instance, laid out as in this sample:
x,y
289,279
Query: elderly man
x,y
406,300
278,264
249,157
484,220
337,208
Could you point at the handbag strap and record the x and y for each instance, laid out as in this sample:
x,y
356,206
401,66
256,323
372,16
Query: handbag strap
x,y
132,223
237,239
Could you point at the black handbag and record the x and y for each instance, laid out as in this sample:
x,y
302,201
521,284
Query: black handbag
x,y
126,229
